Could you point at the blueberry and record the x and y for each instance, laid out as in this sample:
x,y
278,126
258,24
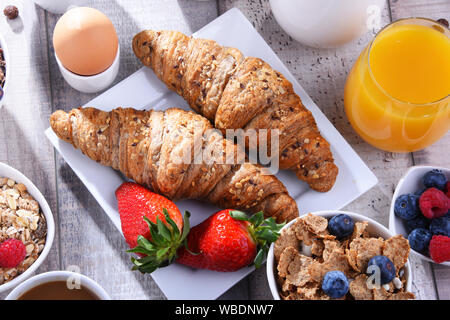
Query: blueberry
x,y
341,226
406,206
419,222
440,226
419,239
434,179
384,266
335,284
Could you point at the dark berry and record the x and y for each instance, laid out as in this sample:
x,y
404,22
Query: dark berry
x,y
419,239
406,206
11,12
382,265
435,179
341,226
443,22
434,203
335,284
419,222
447,189
440,226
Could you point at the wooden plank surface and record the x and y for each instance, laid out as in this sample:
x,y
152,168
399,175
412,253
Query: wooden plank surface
x,y
86,238
24,114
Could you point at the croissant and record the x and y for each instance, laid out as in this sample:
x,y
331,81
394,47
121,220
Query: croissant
x,y
236,92
148,146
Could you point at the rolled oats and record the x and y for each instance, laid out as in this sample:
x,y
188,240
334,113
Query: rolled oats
x,y
22,219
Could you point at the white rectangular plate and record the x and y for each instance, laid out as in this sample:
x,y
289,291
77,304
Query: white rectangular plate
x,y
142,90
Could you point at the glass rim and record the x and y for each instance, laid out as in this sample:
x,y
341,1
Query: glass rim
x,y
373,77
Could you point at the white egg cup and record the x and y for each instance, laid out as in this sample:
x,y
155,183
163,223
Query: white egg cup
x,y
91,84
51,276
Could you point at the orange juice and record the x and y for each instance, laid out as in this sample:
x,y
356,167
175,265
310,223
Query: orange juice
x,y
397,94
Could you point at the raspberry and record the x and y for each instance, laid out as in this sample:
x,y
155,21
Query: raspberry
x,y
12,253
434,203
447,189
440,248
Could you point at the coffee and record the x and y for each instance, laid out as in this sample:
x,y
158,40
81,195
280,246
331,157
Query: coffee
x,y
57,290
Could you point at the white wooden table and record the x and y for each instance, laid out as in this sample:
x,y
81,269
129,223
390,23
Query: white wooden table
x,y
85,237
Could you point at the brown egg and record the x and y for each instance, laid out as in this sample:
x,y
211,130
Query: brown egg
x,y
85,41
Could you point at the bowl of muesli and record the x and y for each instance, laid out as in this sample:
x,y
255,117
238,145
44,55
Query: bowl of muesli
x,y
27,227
338,255
4,74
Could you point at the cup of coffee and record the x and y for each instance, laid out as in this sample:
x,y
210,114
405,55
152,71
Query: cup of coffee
x,y
59,285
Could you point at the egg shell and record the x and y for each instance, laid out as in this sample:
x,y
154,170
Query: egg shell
x,y
85,41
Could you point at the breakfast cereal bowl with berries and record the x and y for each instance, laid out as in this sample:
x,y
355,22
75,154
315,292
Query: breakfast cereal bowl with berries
x,y
341,255
4,69
420,212
27,228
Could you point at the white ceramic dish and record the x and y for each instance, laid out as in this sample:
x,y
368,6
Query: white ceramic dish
x,y
327,23
374,228
9,172
85,282
91,84
411,182
143,90
4,46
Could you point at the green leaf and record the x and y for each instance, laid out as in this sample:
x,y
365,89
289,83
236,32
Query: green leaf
x,y
175,231
186,225
163,230
257,218
160,253
261,255
267,234
238,215
143,242
139,249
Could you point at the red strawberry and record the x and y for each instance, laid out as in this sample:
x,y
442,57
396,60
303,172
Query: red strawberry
x,y
229,241
434,203
12,253
151,225
439,248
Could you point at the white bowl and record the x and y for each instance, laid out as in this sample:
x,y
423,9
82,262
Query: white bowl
x,y
9,172
91,84
7,72
411,182
374,228
85,282
327,23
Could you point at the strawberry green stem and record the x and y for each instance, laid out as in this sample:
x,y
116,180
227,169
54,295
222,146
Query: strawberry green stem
x,y
263,231
161,249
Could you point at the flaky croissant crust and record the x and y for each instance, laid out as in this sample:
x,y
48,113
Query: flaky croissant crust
x,y
146,147
234,91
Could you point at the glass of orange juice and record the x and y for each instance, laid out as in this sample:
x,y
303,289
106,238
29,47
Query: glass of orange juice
x,y
397,93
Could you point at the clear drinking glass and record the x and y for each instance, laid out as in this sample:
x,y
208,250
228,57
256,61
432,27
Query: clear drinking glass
x,y
392,93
